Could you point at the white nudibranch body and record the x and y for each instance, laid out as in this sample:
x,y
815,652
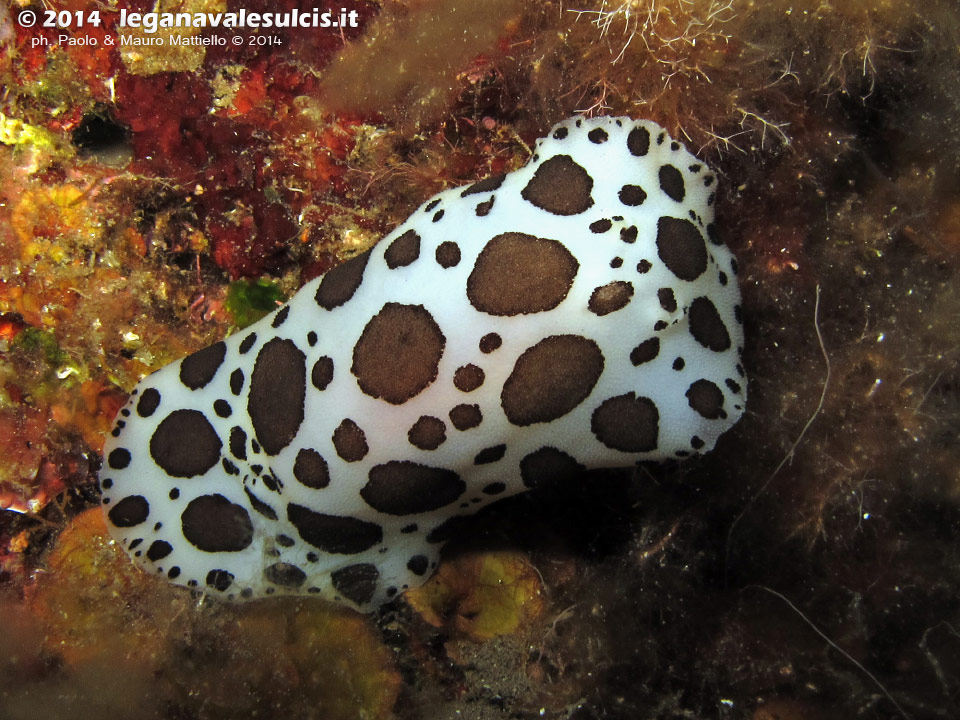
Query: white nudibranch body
x,y
578,312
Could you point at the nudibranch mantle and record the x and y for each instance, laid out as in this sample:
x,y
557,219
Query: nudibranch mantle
x,y
578,312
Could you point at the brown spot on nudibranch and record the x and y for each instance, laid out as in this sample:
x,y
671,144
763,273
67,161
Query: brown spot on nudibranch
x,y
489,343
645,351
158,550
486,185
340,283
357,583
259,505
350,442
129,512
671,182
627,423
560,186
284,575
520,274
403,250
398,353
638,141
707,326
278,386
214,524
427,433
490,455
668,300
548,466
448,254
707,399
466,417
334,533
311,469
198,369
400,487
551,378
632,195
185,444
680,245
322,373
468,378
148,402
610,297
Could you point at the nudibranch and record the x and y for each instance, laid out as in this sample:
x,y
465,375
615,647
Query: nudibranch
x,y
579,312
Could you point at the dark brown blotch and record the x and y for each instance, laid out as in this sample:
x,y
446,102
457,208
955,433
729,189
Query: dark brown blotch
x,y
632,195
610,297
284,575
707,326
403,250
427,433
645,351
681,248
130,511
638,141
489,343
198,369
597,135
448,254
401,487
350,441
148,402
667,299
310,469
551,378
398,353
238,443
627,422
519,274
489,455
418,564
219,580
486,185
560,186
468,378
259,505
466,417
322,373
340,283
356,583
671,182
706,399
549,466
214,524
278,386
483,209
334,533
185,444
158,550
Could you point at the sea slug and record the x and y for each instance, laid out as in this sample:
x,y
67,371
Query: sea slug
x,y
579,312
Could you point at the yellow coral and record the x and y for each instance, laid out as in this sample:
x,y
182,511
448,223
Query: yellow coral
x,y
86,599
46,213
297,659
17,132
487,594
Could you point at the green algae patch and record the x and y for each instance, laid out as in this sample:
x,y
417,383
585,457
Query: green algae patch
x,y
249,301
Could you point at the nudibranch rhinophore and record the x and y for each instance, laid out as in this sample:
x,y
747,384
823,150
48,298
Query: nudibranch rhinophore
x,y
579,312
